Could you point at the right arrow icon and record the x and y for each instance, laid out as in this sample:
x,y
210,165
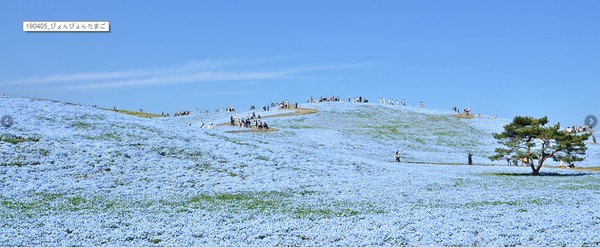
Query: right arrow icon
x,y
591,121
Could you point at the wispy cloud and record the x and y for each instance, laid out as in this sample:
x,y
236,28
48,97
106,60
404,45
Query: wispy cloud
x,y
200,77
209,70
189,67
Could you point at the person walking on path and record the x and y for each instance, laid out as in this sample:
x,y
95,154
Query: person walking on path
x,y
398,156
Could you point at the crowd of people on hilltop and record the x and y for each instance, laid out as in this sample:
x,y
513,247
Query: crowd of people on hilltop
x,y
182,113
284,104
249,122
467,111
228,110
359,99
578,129
390,101
396,102
323,99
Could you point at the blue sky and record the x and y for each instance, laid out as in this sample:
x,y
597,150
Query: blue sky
x,y
498,57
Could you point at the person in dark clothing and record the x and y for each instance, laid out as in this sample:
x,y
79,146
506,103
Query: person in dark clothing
x,y
470,159
398,156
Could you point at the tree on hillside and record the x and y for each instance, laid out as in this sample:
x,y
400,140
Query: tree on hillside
x,y
529,139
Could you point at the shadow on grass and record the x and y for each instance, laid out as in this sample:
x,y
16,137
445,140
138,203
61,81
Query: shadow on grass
x,y
542,174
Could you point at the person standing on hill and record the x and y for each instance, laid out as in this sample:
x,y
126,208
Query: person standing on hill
x,y
398,156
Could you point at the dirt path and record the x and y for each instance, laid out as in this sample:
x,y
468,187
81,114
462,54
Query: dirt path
x,y
297,111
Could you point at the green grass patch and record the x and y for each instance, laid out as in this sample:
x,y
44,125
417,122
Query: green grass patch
x,y
492,203
46,118
279,203
18,161
458,182
15,139
81,125
264,202
176,152
587,186
51,204
263,158
13,163
300,127
311,213
540,201
254,202
112,136
447,134
44,152
384,124
134,113
105,136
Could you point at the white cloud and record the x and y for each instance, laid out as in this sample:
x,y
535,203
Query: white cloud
x,y
208,70
206,76
189,67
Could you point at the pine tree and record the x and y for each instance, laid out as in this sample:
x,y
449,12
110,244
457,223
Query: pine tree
x,y
530,139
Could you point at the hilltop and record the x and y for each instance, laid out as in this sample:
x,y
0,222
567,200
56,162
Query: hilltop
x,y
76,175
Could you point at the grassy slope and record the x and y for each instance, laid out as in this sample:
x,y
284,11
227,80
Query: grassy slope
x,y
134,113
412,132
177,160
